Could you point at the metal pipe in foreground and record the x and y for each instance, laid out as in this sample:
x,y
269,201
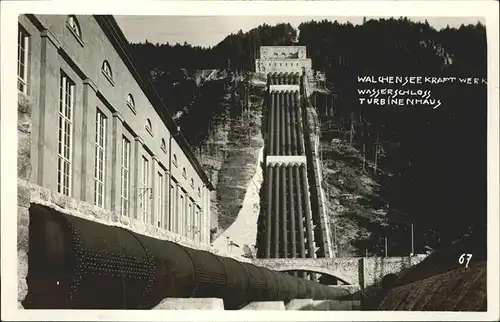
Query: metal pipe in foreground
x,y
79,264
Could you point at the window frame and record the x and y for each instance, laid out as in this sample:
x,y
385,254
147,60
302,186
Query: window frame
x,y
163,145
149,126
159,200
65,147
23,35
100,164
75,28
171,215
189,220
199,215
144,185
182,205
107,71
131,103
125,177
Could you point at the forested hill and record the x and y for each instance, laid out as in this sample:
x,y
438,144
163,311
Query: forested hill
x,y
431,162
236,51
177,70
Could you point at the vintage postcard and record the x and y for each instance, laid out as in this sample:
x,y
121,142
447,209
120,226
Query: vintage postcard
x,y
210,157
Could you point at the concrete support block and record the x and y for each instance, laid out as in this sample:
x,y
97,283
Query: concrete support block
x,y
321,305
335,305
268,305
300,305
190,304
350,288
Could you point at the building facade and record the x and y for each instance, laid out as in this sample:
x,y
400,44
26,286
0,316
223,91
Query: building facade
x,y
100,135
283,59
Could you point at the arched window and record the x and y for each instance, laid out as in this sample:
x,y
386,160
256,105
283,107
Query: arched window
x,y
149,126
130,101
163,145
184,173
174,160
199,191
106,70
74,26
192,182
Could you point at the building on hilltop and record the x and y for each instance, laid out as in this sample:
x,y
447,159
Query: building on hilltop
x,y
283,59
95,140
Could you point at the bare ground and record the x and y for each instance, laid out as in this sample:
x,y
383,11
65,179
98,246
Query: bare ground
x,y
351,195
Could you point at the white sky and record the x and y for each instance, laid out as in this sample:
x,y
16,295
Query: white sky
x,y
210,30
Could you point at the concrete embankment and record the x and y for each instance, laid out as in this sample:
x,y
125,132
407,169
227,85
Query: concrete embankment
x,y
243,231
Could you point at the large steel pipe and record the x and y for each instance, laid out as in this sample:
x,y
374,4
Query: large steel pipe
x,y
307,210
272,116
283,211
300,214
276,188
277,124
293,130
292,216
300,127
282,123
268,238
286,124
79,264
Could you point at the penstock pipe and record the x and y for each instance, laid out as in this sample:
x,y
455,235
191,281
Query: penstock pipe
x,y
75,263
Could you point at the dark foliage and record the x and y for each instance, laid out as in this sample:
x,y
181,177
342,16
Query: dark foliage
x,y
437,156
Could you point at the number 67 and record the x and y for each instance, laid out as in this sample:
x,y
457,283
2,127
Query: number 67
x,y
461,259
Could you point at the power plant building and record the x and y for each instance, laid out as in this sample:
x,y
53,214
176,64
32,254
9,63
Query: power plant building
x,y
94,137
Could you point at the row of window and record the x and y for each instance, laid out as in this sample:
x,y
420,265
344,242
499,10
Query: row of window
x,y
74,26
64,151
22,77
186,223
66,101
185,213
286,64
189,217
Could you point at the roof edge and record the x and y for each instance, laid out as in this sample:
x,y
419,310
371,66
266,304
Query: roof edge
x,y
115,35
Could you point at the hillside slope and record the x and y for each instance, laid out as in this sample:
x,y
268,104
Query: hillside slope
x,y
357,212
